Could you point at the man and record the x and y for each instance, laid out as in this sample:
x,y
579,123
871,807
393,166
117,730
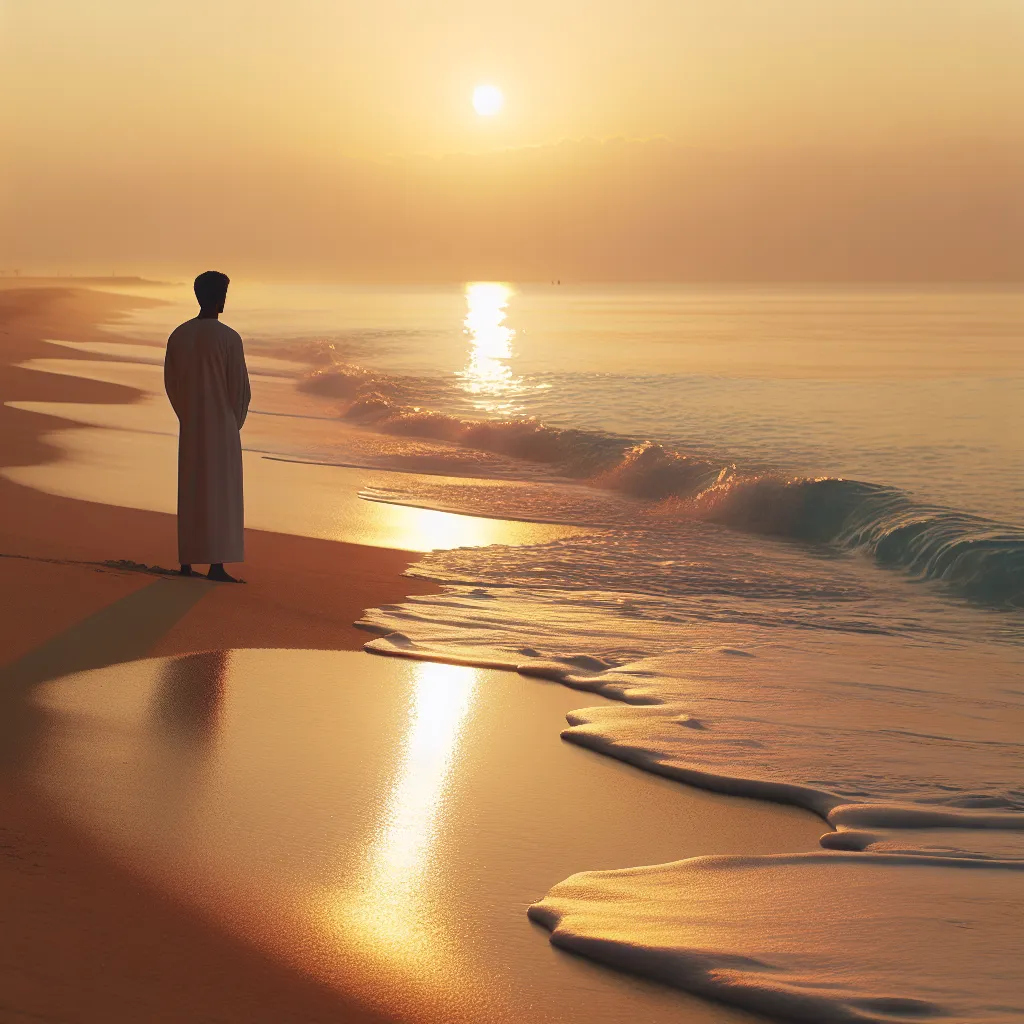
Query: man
x,y
207,382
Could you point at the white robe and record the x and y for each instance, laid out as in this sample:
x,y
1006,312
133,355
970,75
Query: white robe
x,y
207,382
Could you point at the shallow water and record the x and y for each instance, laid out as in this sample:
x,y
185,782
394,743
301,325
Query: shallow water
x,y
803,564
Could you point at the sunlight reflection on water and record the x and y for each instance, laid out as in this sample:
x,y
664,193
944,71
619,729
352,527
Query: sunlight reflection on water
x,y
487,377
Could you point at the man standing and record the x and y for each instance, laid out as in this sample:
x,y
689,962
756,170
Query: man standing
x,y
207,382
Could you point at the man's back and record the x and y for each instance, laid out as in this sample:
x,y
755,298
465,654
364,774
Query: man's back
x,y
204,375
208,385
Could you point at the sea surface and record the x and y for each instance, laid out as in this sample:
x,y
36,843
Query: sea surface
x,y
802,576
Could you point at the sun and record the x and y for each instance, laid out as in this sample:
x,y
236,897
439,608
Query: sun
x,y
488,100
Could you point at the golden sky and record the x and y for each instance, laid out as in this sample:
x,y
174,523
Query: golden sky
x,y
140,102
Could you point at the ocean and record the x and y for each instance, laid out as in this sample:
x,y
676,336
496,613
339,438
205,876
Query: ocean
x,y
800,573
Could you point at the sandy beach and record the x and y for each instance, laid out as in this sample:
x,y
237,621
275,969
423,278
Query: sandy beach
x,y
84,937
214,808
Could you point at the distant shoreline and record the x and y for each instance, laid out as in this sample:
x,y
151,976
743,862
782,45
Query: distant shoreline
x,y
29,281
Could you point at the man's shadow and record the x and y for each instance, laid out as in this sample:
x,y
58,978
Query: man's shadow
x,y
125,630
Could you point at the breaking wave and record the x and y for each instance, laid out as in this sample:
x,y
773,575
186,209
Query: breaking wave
x,y
980,559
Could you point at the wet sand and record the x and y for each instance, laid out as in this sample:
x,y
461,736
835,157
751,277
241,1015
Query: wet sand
x,y
85,940
382,823
245,835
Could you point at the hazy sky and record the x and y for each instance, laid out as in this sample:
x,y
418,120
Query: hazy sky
x,y
128,124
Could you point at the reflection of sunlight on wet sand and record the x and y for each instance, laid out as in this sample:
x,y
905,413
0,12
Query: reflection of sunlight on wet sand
x,y
487,376
423,529
388,911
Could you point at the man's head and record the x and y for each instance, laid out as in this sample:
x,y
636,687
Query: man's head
x,y
211,288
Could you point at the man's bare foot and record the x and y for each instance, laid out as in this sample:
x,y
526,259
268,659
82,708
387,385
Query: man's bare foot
x,y
219,574
186,570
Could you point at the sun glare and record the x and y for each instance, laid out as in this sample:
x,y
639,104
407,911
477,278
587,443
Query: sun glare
x,y
488,376
488,100
389,911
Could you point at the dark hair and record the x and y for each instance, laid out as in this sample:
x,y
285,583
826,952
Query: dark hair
x,y
211,288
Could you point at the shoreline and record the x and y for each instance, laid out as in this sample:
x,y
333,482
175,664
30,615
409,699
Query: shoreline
x,y
109,615
81,933
290,579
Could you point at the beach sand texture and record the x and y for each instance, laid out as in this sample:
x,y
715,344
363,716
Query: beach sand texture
x,y
118,913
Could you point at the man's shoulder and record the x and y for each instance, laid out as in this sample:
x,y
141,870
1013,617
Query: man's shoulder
x,y
229,332
219,332
182,330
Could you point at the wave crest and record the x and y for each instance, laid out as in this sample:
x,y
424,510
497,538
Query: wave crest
x,y
980,559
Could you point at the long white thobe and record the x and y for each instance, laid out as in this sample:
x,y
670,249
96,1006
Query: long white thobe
x,y
207,382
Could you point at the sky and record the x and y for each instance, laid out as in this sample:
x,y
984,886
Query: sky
x,y
640,139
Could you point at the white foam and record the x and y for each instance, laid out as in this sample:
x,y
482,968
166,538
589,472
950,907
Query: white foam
x,y
822,938
982,843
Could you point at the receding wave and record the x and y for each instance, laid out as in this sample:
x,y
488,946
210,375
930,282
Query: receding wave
x,y
981,559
